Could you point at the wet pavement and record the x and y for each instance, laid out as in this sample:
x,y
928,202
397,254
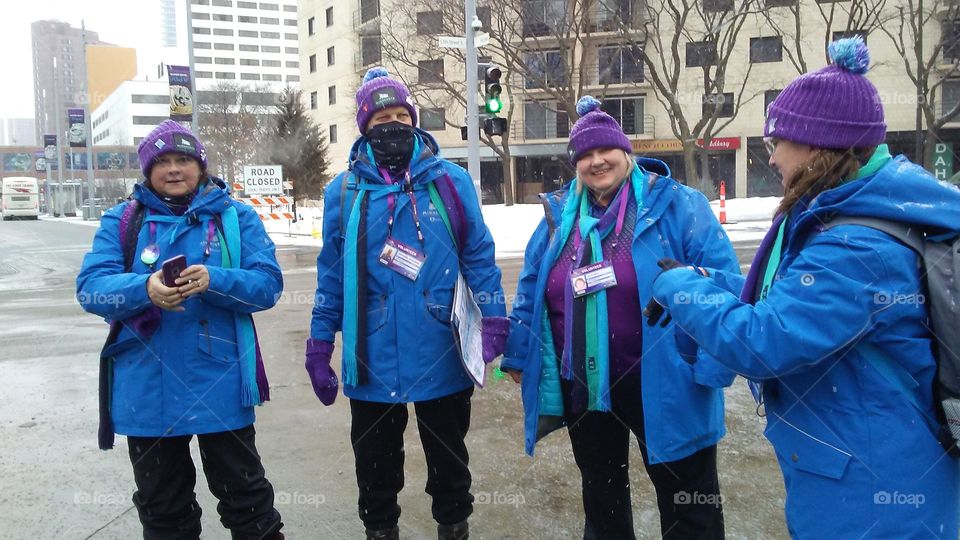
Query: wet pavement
x,y
55,483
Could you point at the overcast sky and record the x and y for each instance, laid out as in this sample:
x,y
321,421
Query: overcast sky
x,y
128,23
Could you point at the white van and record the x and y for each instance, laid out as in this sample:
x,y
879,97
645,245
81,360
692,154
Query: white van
x,y
20,197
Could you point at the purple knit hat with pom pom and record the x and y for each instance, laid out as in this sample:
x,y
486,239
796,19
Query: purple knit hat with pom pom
x,y
379,91
595,129
834,107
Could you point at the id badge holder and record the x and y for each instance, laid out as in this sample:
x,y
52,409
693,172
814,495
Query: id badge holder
x,y
592,278
402,259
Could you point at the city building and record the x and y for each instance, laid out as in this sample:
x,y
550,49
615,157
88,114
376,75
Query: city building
x,y
17,132
129,113
249,43
58,77
108,66
168,22
729,66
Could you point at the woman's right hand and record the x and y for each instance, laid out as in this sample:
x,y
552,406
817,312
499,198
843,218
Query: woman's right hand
x,y
163,297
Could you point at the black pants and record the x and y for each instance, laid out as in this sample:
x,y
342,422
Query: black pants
x,y
377,437
165,477
688,490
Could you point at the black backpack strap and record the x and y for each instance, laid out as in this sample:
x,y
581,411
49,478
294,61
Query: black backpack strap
x,y
911,237
129,236
345,207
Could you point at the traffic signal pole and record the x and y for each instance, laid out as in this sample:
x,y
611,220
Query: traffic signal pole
x,y
473,121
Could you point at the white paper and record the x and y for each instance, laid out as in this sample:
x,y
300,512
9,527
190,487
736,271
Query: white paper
x,y
468,331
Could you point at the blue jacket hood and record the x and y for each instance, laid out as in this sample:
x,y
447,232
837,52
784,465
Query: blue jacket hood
x,y
900,191
210,197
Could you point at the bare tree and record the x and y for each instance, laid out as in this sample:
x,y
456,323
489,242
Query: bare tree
x,y
708,31
929,68
233,120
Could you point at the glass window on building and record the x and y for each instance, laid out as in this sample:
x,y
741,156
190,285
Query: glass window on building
x,y
542,17
779,3
719,105
620,65
843,34
430,71
313,100
545,69
701,53
544,120
310,29
429,23
370,47
950,38
331,56
610,14
332,95
433,119
716,6
766,49
329,16
762,179
332,131
369,10
313,63
628,111
768,98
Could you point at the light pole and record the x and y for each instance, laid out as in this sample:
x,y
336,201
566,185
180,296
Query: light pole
x,y
473,122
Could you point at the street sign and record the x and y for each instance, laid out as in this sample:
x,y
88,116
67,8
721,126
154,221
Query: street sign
x,y
263,180
452,42
943,160
455,42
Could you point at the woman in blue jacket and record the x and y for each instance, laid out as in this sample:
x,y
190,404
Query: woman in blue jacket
x,y
830,317
183,360
582,355
399,226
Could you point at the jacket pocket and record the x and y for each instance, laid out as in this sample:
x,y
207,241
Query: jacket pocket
x,y
438,303
219,348
376,313
802,451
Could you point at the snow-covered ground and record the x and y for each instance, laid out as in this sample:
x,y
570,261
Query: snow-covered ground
x,y
747,220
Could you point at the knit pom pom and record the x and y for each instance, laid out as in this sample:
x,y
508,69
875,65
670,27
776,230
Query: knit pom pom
x,y
587,104
375,73
850,54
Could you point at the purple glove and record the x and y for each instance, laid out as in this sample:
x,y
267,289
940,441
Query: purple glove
x,y
322,376
495,331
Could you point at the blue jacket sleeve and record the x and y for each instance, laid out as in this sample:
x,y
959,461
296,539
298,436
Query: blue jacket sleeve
x,y
327,315
257,283
478,257
795,326
521,313
706,244
103,288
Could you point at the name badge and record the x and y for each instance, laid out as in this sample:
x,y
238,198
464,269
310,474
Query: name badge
x,y
590,279
402,259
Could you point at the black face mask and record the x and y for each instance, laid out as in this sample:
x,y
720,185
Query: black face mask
x,y
392,145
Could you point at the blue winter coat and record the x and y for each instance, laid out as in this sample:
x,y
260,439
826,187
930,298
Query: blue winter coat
x,y
682,403
412,355
858,459
185,379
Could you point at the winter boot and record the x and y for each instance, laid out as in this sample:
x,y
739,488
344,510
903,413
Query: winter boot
x,y
457,531
384,534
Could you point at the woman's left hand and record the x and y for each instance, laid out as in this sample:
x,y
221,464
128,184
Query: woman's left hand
x,y
194,280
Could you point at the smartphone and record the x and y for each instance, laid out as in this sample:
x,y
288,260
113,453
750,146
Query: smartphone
x,y
171,269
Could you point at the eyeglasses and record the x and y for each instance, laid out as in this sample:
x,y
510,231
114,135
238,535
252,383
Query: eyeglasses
x,y
770,143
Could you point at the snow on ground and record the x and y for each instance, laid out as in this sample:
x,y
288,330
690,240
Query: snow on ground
x,y
747,221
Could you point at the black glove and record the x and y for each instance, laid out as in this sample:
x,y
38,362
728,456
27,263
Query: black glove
x,y
654,310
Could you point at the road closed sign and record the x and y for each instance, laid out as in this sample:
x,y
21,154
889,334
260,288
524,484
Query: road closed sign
x,y
262,180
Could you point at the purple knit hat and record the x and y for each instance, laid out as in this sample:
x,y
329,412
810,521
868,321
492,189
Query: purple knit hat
x,y
170,136
379,91
595,129
834,107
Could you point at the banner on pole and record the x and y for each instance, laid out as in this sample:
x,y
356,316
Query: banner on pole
x,y
50,146
181,93
77,130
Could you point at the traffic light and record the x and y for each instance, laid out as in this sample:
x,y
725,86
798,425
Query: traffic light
x,y
492,90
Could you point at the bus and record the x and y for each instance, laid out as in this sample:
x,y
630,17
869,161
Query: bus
x,y
20,197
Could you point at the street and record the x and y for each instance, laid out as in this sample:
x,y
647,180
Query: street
x,y
56,484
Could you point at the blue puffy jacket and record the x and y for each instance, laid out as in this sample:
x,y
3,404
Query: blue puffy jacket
x,y
185,378
412,355
682,403
858,459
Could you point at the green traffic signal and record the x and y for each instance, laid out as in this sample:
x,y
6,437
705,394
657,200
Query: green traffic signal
x,y
494,105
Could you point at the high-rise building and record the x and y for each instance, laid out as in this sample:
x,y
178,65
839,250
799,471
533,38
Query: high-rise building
x,y
249,43
168,22
108,66
58,75
17,132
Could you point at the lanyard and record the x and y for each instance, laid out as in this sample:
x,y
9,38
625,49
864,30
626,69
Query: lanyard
x,y
603,222
151,254
391,202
